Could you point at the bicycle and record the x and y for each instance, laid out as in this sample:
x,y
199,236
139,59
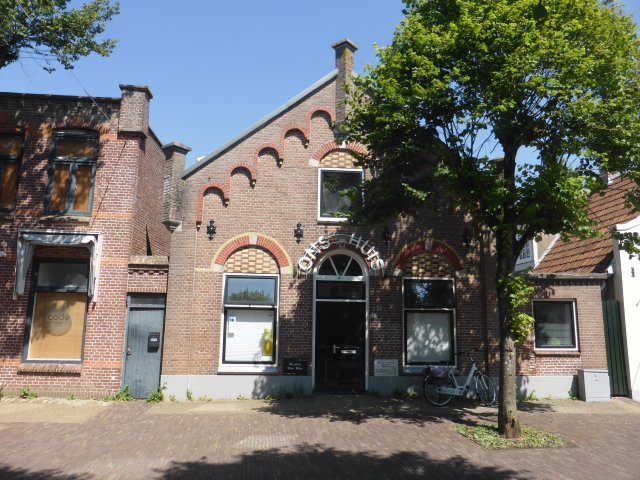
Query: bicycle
x,y
439,384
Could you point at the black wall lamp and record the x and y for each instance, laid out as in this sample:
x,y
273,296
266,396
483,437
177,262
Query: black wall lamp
x,y
211,229
386,235
466,238
298,232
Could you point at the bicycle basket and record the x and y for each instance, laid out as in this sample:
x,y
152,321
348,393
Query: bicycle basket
x,y
439,373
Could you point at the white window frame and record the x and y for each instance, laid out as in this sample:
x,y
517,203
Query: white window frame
x,y
230,367
574,326
320,172
417,367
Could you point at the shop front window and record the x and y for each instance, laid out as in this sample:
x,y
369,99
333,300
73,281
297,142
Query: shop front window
x,y
429,313
250,313
55,329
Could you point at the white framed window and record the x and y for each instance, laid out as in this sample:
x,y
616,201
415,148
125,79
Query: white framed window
x,y
429,321
250,319
332,186
555,325
55,327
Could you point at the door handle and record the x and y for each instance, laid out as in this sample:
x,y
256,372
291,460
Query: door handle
x,y
335,347
128,351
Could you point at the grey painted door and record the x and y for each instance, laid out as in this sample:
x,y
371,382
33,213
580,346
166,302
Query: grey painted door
x,y
143,358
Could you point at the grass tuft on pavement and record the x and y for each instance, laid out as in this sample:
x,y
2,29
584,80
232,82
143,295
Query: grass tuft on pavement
x,y
487,436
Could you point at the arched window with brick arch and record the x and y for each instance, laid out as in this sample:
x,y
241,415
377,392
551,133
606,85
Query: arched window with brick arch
x,y
428,269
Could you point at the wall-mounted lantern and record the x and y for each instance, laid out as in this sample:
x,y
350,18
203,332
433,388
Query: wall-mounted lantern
x,y
386,235
298,233
211,229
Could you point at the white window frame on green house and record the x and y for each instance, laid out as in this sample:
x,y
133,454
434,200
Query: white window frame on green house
x,y
325,216
572,322
230,310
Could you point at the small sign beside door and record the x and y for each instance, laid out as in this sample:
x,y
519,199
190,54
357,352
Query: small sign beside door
x,y
385,368
294,366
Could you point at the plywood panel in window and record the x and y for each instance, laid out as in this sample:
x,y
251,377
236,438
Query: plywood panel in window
x,y
59,188
10,145
9,182
58,326
76,147
83,188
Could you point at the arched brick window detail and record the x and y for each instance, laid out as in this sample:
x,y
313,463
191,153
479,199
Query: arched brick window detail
x,y
254,240
427,257
332,146
252,260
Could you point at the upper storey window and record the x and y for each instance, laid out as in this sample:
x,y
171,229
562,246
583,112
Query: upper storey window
x,y
10,156
72,170
332,187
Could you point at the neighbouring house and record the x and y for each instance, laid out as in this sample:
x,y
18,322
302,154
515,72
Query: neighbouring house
x,y
86,206
586,305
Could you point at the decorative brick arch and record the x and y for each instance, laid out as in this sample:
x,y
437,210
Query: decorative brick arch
x,y
428,245
222,189
332,146
252,239
252,168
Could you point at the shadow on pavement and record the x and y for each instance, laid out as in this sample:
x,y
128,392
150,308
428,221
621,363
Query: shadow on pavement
x,y
356,409
9,473
315,462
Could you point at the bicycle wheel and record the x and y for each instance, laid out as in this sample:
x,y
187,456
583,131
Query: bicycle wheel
x,y
485,390
433,396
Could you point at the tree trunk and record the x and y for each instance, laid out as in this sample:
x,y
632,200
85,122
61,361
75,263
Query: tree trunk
x,y
508,423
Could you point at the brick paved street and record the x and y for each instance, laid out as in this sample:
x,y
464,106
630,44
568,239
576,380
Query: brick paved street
x,y
324,437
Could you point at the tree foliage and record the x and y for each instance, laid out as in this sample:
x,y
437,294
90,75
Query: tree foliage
x,y
50,29
506,111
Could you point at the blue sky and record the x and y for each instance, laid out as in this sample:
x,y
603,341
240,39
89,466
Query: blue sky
x,y
216,67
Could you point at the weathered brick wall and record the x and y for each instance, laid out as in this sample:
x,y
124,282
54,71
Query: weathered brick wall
x,y
147,217
282,197
591,344
114,200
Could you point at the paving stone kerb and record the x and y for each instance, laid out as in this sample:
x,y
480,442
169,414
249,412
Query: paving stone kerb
x,y
321,437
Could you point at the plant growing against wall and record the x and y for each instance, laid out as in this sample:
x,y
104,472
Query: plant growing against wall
x,y
463,89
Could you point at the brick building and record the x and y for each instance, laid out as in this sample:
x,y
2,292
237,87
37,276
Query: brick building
x,y
86,203
270,292
586,305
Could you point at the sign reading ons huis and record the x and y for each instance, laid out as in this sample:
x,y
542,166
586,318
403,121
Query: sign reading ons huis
x,y
342,240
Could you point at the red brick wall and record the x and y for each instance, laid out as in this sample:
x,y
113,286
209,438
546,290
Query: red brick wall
x,y
591,344
114,200
282,197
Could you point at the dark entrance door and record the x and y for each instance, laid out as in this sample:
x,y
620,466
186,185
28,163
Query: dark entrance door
x,y
340,346
145,325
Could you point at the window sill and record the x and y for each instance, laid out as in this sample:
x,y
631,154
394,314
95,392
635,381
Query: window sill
x,y
7,217
51,368
66,218
247,369
557,353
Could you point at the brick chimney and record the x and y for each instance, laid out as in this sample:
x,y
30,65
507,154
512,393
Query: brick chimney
x,y
134,109
175,156
345,50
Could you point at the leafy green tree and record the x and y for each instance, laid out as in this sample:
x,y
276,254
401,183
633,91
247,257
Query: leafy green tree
x,y
464,86
49,29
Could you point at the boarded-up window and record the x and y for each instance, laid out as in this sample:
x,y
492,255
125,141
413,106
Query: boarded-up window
x,y
56,325
10,156
72,170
